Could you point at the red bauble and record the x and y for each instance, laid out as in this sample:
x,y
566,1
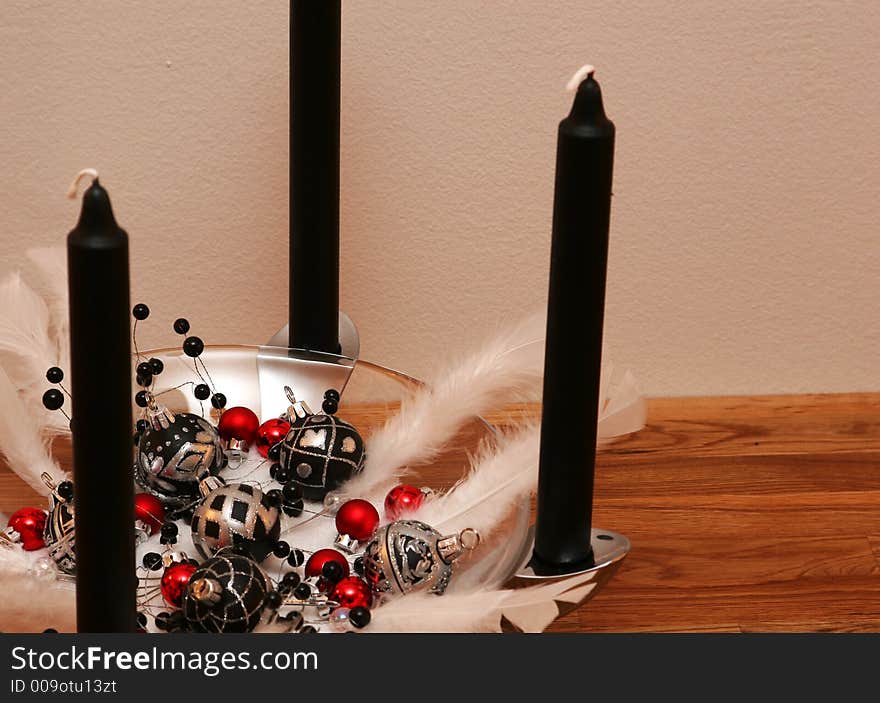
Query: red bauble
x,y
401,500
351,592
174,582
322,556
29,523
239,423
358,519
148,509
270,433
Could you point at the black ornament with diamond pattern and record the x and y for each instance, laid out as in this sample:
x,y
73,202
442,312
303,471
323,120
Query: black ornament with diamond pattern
x,y
226,593
237,514
173,460
320,454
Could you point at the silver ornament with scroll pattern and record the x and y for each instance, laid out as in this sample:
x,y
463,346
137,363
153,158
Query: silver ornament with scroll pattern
x,y
408,555
320,453
59,534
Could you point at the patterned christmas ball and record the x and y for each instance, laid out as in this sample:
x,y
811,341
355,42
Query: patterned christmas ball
x,y
238,514
226,594
409,555
321,453
59,535
174,454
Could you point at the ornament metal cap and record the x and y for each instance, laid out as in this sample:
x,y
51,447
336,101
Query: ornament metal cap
x,y
210,484
159,417
346,543
297,410
452,547
206,590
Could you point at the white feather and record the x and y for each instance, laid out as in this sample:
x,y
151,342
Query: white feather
x,y
51,266
31,604
21,442
510,363
26,347
497,479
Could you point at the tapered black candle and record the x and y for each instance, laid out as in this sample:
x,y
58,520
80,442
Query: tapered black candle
x,y
314,174
575,312
100,360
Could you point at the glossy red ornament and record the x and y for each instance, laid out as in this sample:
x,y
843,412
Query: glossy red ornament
x,y
401,500
270,433
240,424
29,523
174,582
316,562
148,509
351,592
358,519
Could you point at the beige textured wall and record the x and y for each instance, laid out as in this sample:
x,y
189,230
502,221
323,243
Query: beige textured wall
x,y
745,247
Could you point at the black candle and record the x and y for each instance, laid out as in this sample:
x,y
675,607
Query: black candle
x,y
100,360
575,311
314,175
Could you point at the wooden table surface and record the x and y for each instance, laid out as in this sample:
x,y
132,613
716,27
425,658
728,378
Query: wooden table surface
x,y
745,513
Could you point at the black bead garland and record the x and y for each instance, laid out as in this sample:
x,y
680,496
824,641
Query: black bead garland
x,y
193,346
65,490
296,557
359,616
141,425
302,592
54,375
218,400
152,561
140,399
202,392
156,366
274,453
291,579
181,325
144,369
332,571
273,600
359,566
53,399
140,311
281,549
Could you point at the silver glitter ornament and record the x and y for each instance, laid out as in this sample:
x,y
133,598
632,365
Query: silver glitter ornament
x,y
235,515
320,453
59,534
226,593
175,453
408,555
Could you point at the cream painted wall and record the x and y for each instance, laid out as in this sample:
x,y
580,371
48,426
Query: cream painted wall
x,y
744,254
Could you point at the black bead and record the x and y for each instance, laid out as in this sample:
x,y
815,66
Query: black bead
x,y
53,399
142,620
218,400
284,589
50,631
307,630
294,509
291,579
275,498
296,557
157,366
332,394
202,392
282,475
281,549
65,490
330,406
140,311
272,469
141,425
291,492
140,399
144,368
302,592
54,375
169,529
359,616
331,571
274,453
144,381
161,620
193,346
152,561
181,325
273,600
359,566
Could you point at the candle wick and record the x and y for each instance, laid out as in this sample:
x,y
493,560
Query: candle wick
x,y
74,186
585,71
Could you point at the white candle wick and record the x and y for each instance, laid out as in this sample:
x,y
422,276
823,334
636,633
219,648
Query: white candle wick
x,y
579,75
91,172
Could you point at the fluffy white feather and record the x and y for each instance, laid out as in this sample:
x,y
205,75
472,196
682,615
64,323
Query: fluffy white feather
x,y
30,604
51,266
26,347
498,478
21,442
507,364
